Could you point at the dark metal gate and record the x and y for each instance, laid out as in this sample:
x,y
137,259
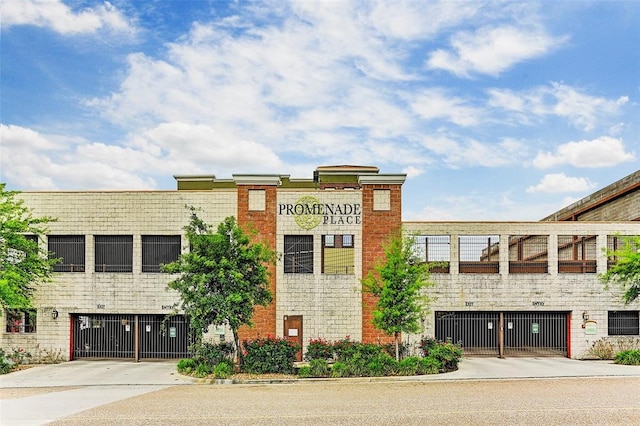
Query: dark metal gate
x,y
524,333
476,331
130,336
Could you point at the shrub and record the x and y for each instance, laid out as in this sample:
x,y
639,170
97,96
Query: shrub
x,y
429,365
357,365
342,348
428,343
187,365
601,349
382,365
202,370
319,367
631,357
447,354
339,369
213,353
269,355
319,349
223,370
627,343
390,349
354,349
408,366
10,361
304,371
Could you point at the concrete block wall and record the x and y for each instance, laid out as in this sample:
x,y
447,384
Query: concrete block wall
x,y
109,213
330,304
559,292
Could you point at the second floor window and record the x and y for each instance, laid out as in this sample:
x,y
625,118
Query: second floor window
x,y
337,254
114,253
298,254
70,250
158,250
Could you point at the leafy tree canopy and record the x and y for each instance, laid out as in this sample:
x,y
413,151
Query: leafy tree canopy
x,y
398,282
223,276
22,263
626,271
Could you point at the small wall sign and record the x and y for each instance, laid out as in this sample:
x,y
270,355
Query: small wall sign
x,y
535,328
590,327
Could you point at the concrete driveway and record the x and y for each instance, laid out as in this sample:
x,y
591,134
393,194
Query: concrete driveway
x,y
96,373
164,373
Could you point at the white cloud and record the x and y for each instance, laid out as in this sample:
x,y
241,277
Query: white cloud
x,y
583,111
59,17
557,183
64,162
492,50
471,152
604,151
436,103
412,171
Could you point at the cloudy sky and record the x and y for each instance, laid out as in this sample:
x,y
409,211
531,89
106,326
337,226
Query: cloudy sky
x,y
494,110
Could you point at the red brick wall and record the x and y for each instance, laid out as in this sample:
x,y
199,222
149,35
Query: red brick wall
x,y
264,222
376,228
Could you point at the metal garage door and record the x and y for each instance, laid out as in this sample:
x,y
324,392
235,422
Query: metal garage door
x,y
130,336
524,333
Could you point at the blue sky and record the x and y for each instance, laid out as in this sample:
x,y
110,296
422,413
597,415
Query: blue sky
x,y
494,110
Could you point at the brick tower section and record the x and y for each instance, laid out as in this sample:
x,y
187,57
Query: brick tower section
x,y
264,223
377,225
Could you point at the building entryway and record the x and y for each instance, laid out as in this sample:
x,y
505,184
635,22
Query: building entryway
x,y
130,336
506,333
293,332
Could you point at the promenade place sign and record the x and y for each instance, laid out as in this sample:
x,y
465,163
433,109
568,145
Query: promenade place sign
x,y
309,212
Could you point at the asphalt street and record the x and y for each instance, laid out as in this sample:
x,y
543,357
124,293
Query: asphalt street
x,y
484,391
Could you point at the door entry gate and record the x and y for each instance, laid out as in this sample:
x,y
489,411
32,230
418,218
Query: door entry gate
x,y
130,336
523,333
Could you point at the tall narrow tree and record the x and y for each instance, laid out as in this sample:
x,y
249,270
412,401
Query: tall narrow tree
x,y
222,277
398,282
23,263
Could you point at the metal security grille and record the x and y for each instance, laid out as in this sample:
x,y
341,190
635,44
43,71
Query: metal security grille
x,y
577,254
528,254
477,332
159,250
434,249
619,242
535,333
298,254
525,333
164,337
623,323
70,249
479,254
114,253
130,336
103,336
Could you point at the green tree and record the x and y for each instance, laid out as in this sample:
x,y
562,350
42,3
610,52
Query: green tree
x,y
23,264
222,278
626,271
398,282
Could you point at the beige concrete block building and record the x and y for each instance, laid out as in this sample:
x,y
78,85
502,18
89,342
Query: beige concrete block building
x,y
502,288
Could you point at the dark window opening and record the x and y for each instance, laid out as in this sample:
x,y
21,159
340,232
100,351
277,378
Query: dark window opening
x,y
70,250
114,253
623,323
298,254
158,250
21,320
